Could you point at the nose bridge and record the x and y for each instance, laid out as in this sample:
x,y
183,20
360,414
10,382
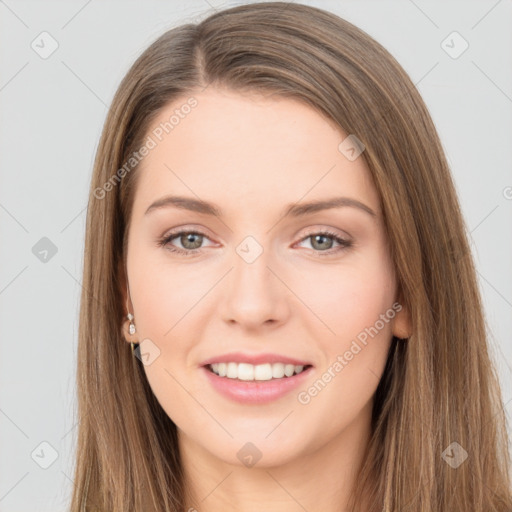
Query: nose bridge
x,y
254,294
251,265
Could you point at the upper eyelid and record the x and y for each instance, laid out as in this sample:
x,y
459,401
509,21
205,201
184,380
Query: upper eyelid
x,y
181,231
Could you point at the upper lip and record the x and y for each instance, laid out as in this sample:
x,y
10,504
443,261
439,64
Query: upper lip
x,y
254,359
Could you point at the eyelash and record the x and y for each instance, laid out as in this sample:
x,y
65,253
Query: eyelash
x,y
165,241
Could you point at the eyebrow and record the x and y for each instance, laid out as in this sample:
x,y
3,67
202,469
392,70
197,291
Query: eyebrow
x,y
293,210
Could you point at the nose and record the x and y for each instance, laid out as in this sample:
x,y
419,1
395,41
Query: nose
x,y
255,295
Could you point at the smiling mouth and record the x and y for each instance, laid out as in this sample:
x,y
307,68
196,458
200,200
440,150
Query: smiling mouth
x,y
260,372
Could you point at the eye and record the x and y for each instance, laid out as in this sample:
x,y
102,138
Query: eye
x,y
191,242
320,241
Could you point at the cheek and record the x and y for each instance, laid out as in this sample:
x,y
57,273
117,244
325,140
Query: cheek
x,y
358,308
355,301
163,292
349,297
167,299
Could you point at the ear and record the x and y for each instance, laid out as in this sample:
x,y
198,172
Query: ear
x,y
402,325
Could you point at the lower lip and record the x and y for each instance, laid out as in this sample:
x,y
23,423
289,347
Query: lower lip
x,y
255,392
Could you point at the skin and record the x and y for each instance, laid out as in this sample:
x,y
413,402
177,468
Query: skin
x,y
252,155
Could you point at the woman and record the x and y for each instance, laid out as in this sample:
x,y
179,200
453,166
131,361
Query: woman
x,y
274,230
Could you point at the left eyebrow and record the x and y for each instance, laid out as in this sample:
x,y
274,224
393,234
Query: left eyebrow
x,y
294,209
300,209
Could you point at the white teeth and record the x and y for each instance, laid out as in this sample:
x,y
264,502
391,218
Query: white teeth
x,y
278,370
246,371
262,372
232,371
289,369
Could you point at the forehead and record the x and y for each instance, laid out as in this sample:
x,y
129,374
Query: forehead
x,y
242,149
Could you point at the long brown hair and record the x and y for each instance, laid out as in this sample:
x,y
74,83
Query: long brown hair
x,y
439,387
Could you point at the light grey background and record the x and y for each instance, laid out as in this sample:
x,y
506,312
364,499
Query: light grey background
x,y
52,111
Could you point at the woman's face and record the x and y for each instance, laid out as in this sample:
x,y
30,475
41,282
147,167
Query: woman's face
x,y
257,281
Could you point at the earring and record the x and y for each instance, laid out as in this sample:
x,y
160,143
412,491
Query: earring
x,y
131,330
132,325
